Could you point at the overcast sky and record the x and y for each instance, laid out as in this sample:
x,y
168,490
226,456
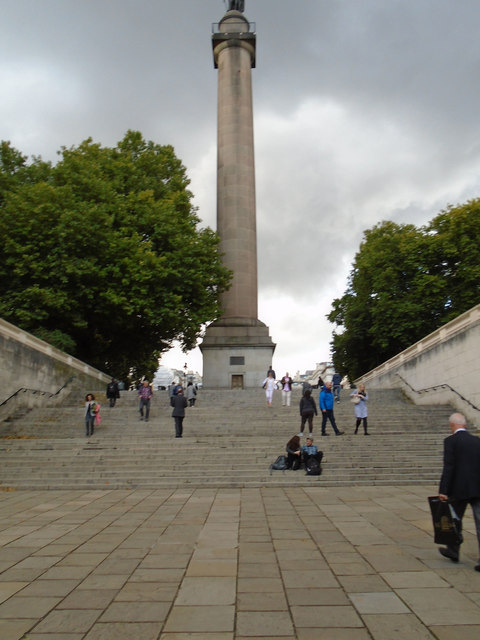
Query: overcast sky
x,y
365,110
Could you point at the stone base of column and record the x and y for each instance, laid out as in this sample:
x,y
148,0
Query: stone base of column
x,y
236,356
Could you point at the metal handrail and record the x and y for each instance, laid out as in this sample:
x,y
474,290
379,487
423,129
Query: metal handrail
x,y
38,391
444,385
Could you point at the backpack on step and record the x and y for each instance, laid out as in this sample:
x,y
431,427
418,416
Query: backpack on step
x,y
313,467
280,464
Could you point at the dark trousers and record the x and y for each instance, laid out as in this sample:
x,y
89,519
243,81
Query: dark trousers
x,y
328,414
178,426
293,461
307,416
460,506
365,426
145,402
112,401
89,425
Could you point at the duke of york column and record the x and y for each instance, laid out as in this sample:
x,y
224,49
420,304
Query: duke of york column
x,y
237,348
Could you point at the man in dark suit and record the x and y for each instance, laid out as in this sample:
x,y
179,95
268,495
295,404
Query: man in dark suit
x,y
460,482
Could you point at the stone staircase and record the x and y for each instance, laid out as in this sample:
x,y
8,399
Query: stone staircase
x,y
230,439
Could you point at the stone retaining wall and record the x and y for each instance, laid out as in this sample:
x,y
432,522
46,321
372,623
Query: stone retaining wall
x,y
442,368
40,371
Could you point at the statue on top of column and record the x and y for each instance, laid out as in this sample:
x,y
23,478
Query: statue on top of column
x,y
236,5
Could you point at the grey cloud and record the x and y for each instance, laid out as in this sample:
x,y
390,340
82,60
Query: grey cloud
x,y
363,111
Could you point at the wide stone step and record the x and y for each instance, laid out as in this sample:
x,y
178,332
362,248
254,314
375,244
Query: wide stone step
x,y
214,482
230,440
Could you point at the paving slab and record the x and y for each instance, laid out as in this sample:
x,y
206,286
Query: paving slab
x,y
253,601
465,632
207,591
165,561
7,589
15,629
399,627
313,579
102,581
147,592
258,585
326,616
333,634
311,596
312,563
55,636
251,570
420,579
49,588
88,599
379,603
197,636
441,606
255,624
135,612
204,618
122,631
27,607
68,620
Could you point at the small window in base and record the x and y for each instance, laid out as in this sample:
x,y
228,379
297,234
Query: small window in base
x,y
237,359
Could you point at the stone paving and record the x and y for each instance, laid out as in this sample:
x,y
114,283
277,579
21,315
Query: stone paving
x,y
310,563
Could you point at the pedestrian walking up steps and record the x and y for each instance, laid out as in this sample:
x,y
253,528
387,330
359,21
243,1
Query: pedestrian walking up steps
x,y
230,439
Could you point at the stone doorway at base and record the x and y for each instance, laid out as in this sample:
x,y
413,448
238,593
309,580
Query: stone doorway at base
x,y
237,381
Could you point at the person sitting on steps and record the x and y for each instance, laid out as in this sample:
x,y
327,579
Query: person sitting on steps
x,y
310,450
294,453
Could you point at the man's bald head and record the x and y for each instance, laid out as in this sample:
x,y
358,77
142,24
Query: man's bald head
x,y
457,421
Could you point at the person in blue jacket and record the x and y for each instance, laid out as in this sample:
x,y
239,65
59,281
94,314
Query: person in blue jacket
x,y
325,400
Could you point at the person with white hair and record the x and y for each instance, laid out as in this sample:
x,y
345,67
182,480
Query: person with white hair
x,y
460,481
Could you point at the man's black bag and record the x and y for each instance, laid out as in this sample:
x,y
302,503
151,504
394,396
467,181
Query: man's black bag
x,y
280,464
313,467
447,526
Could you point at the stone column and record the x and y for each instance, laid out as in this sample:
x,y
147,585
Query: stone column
x,y
237,348
234,56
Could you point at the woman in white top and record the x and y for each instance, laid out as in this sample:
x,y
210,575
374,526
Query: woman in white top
x,y
269,385
359,398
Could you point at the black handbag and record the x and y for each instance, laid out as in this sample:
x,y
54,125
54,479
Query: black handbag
x,y
447,526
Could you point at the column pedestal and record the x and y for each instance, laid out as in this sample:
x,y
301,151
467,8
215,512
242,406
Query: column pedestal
x,y
236,356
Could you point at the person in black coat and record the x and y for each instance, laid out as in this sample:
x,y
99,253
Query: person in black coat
x,y
113,392
308,407
460,481
178,402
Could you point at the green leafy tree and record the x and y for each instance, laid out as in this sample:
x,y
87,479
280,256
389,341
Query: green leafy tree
x,y
102,254
405,283
455,256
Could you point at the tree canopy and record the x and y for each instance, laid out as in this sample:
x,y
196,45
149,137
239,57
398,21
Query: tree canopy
x,y
101,254
405,283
